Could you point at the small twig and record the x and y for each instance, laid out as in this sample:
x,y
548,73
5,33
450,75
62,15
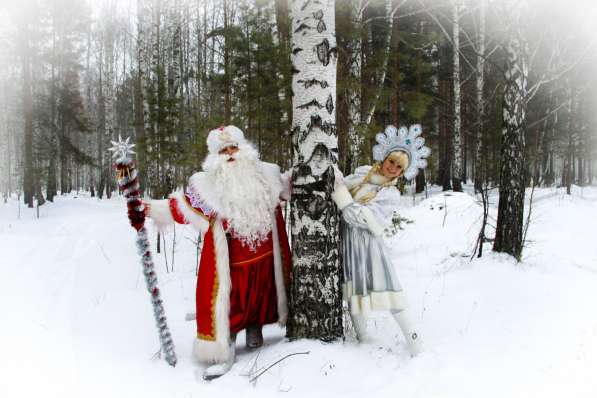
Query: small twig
x,y
165,253
157,355
277,362
445,211
104,254
173,246
253,368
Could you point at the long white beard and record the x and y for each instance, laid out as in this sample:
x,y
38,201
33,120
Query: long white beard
x,y
243,195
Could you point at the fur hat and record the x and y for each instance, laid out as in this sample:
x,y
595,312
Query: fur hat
x,y
223,137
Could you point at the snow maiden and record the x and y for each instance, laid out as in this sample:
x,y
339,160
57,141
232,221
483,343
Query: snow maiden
x,y
367,200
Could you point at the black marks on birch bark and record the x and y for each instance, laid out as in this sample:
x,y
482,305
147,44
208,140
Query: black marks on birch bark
x,y
318,15
296,51
321,26
329,105
313,82
305,5
302,28
320,315
309,104
323,52
299,136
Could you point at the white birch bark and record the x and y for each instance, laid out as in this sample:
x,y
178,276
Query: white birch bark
x,y
509,229
457,170
316,302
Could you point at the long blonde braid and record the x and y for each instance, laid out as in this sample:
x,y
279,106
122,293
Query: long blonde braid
x,y
376,169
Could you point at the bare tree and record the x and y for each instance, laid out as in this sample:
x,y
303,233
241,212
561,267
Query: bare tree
x,y
509,229
457,167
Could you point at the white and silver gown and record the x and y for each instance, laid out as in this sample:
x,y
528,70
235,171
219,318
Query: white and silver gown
x,y
370,281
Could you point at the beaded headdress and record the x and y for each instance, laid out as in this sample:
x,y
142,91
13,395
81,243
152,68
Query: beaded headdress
x,y
407,141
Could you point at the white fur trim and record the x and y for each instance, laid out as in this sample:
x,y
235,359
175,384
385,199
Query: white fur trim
x,y
279,275
159,212
219,350
286,179
374,226
224,137
374,301
341,196
197,221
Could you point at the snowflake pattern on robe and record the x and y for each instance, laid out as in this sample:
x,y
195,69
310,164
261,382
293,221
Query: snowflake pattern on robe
x,y
197,202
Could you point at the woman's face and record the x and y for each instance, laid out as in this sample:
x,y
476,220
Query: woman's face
x,y
391,168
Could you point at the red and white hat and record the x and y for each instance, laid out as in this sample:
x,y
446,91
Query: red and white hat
x,y
224,137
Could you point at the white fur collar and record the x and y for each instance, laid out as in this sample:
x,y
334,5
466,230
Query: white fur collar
x,y
359,175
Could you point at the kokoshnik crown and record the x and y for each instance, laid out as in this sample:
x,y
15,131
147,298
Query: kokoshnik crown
x,y
407,141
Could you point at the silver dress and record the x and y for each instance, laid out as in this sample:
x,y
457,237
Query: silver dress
x,y
370,281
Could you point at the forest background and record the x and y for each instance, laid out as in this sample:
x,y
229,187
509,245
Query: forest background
x,y
75,75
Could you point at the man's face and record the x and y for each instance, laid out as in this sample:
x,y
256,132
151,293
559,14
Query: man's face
x,y
229,150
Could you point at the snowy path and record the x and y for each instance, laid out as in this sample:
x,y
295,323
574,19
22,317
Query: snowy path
x,y
77,319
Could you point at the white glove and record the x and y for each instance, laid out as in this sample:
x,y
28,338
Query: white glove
x,y
374,226
352,215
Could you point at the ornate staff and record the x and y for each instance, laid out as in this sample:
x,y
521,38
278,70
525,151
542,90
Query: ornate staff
x,y
129,184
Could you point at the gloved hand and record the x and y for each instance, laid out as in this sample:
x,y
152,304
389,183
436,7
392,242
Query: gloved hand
x,y
340,196
286,178
372,224
352,215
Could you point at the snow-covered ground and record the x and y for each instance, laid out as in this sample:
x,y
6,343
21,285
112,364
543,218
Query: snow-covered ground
x,y
76,320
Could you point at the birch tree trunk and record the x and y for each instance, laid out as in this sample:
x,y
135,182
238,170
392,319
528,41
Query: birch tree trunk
x,y
315,297
140,100
457,169
480,102
509,229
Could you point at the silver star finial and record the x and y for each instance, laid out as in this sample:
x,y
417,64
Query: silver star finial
x,y
121,150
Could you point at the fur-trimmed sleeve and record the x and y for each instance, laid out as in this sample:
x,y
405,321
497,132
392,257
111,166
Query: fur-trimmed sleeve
x,y
159,212
355,179
187,213
177,208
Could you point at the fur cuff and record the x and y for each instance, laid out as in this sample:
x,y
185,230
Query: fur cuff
x,y
341,196
374,226
192,216
210,352
159,212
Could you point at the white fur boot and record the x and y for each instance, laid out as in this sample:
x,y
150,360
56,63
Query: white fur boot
x,y
412,337
220,369
359,322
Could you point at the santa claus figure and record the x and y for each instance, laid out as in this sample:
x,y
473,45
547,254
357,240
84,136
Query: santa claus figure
x,y
245,260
